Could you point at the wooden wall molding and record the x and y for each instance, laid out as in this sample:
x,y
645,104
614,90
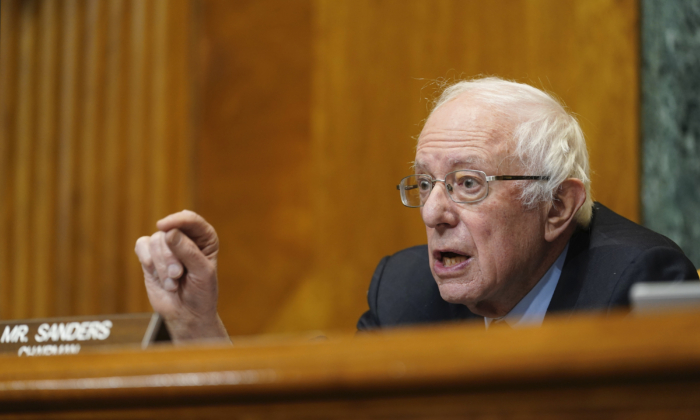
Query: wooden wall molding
x,y
95,147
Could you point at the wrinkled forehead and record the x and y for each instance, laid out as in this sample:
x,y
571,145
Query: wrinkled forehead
x,y
463,134
429,163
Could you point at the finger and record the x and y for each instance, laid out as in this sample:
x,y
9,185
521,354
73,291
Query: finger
x,y
166,264
185,250
155,247
194,226
173,267
144,256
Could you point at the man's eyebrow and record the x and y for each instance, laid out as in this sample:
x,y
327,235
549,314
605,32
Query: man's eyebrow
x,y
466,163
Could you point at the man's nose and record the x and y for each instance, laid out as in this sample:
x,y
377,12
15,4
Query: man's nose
x,y
439,209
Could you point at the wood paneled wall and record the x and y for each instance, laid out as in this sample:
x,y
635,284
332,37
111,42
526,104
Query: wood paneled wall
x,y
304,115
323,122
94,148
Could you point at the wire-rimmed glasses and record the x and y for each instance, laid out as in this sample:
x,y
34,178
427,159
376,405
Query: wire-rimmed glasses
x,y
463,186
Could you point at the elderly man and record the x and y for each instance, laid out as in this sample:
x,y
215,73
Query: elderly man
x,y
501,180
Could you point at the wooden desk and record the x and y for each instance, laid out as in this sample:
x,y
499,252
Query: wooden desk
x,y
586,367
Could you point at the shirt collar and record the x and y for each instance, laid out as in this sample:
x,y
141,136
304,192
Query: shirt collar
x,y
531,309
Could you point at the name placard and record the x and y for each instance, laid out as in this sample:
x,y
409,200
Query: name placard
x,y
56,336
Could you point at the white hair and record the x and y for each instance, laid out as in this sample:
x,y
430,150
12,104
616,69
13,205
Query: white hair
x,y
547,140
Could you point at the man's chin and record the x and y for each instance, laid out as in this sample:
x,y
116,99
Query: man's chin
x,y
456,293
462,294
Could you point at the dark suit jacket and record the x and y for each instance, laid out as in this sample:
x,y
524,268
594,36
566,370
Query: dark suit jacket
x,y
602,263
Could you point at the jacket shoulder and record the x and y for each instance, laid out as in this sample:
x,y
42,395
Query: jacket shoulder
x,y
614,253
611,229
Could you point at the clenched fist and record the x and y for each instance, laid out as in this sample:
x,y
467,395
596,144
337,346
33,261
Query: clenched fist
x,y
179,268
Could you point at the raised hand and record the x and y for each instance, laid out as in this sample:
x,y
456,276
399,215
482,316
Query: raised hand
x,y
179,267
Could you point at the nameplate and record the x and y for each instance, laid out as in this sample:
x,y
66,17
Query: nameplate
x,y
71,335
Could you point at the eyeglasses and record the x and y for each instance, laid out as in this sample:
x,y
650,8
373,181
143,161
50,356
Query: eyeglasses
x,y
463,186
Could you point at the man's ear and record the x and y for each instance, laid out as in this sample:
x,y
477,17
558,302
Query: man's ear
x,y
568,198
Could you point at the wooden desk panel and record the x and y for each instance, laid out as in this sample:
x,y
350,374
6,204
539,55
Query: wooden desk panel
x,y
587,367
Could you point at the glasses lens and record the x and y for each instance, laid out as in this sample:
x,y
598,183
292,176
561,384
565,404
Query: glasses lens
x,y
466,186
415,190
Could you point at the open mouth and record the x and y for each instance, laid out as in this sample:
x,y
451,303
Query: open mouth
x,y
448,259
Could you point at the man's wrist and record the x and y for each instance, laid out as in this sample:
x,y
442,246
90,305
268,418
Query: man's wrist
x,y
191,329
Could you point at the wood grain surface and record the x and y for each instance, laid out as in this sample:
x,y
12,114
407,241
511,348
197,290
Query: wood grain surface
x,y
582,367
94,146
285,123
321,121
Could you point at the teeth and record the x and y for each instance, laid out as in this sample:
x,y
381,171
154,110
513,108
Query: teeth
x,y
449,262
